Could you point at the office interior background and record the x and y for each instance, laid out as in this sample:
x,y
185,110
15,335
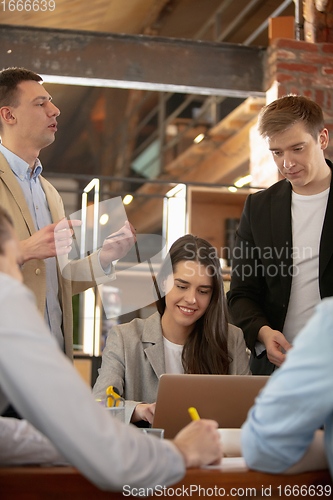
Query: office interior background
x,y
159,101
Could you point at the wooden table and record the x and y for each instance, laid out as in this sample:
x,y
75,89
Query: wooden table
x,y
66,483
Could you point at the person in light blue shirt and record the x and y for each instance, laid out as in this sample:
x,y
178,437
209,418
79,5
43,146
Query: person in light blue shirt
x,y
47,391
28,123
281,430
34,195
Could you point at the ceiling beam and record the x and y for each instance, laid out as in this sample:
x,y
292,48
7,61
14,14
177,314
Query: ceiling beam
x,y
134,61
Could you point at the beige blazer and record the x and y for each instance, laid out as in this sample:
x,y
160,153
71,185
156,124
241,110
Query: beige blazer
x,y
79,273
133,360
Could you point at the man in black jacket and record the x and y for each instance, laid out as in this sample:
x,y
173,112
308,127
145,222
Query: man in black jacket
x,y
283,256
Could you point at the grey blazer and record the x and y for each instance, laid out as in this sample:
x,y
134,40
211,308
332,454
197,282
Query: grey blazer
x,y
133,360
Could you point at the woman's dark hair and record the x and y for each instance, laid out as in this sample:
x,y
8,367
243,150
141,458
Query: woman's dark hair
x,y
206,348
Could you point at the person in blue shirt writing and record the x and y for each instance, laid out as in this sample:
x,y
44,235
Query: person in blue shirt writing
x,y
41,382
281,431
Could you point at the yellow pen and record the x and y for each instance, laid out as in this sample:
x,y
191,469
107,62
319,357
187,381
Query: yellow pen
x,y
193,413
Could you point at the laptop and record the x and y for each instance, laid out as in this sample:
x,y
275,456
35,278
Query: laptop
x,y
224,398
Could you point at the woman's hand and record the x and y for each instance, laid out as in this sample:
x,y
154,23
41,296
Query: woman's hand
x,y
144,412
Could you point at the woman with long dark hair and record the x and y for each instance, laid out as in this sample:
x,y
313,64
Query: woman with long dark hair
x,y
189,333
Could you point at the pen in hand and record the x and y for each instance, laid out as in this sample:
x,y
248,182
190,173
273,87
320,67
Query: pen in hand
x,y
193,413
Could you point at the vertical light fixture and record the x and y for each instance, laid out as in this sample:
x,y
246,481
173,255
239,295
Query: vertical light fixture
x,y
174,214
91,316
88,308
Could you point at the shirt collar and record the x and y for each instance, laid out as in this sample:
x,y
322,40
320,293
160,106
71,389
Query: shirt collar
x,y
38,169
20,167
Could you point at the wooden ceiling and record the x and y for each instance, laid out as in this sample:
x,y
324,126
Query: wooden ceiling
x,y
169,18
90,138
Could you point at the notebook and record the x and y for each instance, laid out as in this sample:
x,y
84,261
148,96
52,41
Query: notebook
x,y
224,398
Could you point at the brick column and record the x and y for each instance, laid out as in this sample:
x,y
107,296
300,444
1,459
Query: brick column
x,y
295,67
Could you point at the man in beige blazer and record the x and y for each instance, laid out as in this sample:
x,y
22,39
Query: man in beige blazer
x,y
28,124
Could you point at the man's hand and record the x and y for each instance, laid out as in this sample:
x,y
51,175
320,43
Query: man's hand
x,y
274,341
200,443
50,241
144,412
115,247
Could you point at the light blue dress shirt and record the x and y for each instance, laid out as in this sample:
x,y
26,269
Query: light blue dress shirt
x,y
41,216
297,400
48,390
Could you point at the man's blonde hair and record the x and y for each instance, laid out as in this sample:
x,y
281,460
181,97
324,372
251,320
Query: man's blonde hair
x,y
285,112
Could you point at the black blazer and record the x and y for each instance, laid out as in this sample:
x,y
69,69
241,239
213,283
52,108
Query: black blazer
x,y
262,264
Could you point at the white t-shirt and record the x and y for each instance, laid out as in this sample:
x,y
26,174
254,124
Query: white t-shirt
x,y
173,357
308,213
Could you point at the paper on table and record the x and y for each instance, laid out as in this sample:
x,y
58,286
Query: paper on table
x,y
230,464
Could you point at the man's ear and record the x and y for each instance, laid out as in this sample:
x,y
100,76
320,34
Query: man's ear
x,y
323,138
6,115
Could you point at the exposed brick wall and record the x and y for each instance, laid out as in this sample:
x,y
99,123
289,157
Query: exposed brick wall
x,y
297,67
302,68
